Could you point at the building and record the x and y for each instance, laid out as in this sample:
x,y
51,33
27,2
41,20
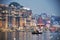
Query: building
x,y
13,19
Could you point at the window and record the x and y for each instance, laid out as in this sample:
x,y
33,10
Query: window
x,y
10,21
17,21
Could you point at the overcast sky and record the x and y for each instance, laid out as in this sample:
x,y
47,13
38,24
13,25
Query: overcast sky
x,y
51,7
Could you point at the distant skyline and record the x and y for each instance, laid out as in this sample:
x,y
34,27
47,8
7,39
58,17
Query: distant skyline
x,y
51,7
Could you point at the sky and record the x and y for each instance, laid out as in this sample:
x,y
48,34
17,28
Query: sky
x,y
51,7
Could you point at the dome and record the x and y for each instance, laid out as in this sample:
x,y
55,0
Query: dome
x,y
44,15
15,4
